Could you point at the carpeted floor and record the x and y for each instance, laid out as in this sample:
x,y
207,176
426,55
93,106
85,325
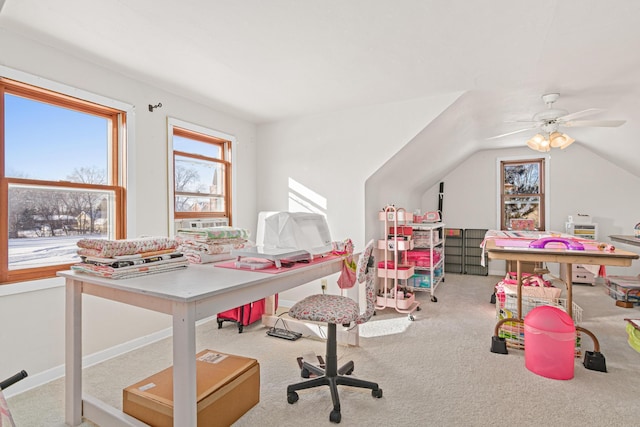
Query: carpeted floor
x,y
435,371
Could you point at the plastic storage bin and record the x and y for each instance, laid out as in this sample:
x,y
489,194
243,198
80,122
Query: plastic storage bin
x,y
550,336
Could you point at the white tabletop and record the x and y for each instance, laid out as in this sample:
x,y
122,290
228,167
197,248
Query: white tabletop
x,y
197,281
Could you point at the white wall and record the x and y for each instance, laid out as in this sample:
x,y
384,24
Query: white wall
x,y
333,155
580,182
32,333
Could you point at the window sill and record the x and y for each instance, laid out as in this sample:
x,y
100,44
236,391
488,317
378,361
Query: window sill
x,y
31,286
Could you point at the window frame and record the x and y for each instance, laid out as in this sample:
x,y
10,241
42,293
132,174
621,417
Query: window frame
x,y
116,173
543,192
226,143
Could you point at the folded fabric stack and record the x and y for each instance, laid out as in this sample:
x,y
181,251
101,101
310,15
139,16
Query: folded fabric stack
x,y
204,245
423,258
122,259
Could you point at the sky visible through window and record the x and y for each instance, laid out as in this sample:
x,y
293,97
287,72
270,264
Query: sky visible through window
x,y
48,142
52,143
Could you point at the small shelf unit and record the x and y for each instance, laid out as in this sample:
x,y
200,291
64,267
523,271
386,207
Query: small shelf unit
x,y
473,253
393,269
454,250
582,230
427,256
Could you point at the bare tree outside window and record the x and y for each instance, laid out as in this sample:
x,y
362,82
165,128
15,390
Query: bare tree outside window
x,y
60,183
522,195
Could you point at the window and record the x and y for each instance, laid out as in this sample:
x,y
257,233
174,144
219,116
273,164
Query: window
x,y
522,194
201,174
59,179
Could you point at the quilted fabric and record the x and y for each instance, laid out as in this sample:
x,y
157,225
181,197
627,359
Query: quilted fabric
x,y
370,278
338,309
363,261
326,308
110,248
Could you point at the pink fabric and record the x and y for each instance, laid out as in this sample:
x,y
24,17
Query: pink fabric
x,y
274,269
348,272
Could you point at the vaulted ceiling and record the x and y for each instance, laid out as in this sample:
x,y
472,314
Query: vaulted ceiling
x,y
269,60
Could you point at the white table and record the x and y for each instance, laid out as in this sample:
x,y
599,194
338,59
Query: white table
x,y
189,295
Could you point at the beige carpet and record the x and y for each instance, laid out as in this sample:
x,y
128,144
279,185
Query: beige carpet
x,y
435,371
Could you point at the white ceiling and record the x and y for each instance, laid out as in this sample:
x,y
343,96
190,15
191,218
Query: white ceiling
x,y
268,60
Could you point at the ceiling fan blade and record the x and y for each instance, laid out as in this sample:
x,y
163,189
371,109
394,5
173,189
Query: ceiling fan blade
x,y
594,123
582,113
512,133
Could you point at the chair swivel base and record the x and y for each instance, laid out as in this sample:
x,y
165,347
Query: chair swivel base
x,y
331,376
333,382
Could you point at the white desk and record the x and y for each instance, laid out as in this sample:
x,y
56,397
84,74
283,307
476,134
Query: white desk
x,y
195,293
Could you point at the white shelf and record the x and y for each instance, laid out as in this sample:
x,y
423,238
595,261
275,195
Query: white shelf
x,y
582,230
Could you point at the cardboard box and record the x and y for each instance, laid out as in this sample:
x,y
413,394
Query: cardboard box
x,y
227,386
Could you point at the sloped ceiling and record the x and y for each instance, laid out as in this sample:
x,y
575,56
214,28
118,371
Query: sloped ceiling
x,y
269,60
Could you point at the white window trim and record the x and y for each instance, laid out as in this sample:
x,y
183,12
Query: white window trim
x,y
547,186
173,122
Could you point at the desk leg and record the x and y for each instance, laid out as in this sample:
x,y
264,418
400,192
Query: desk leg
x,y
270,305
184,365
569,291
73,352
519,288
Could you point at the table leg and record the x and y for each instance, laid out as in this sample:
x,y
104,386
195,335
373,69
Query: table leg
x,y
519,288
270,305
184,365
569,291
73,352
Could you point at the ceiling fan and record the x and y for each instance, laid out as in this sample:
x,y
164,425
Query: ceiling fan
x,y
551,119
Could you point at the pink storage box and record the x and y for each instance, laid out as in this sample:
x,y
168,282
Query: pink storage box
x,y
390,265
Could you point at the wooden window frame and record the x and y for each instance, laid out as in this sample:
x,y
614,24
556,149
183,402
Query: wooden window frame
x,y
541,194
115,174
225,159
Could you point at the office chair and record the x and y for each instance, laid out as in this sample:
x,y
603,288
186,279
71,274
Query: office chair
x,y
334,310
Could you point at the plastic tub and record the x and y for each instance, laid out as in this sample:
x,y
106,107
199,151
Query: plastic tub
x,y
550,339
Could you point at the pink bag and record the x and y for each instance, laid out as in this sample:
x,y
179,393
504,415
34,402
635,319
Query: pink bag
x,y
348,273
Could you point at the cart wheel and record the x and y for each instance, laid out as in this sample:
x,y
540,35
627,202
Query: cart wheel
x,y
434,299
304,373
377,393
292,397
335,416
411,318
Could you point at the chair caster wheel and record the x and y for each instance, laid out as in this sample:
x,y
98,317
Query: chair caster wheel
x,y
377,393
304,373
292,397
349,372
219,324
434,299
335,416
418,308
411,317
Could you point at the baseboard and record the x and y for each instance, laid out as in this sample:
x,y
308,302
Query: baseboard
x,y
41,378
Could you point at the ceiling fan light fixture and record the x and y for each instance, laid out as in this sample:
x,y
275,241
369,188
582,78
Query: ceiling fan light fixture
x,y
535,142
568,142
556,139
544,143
